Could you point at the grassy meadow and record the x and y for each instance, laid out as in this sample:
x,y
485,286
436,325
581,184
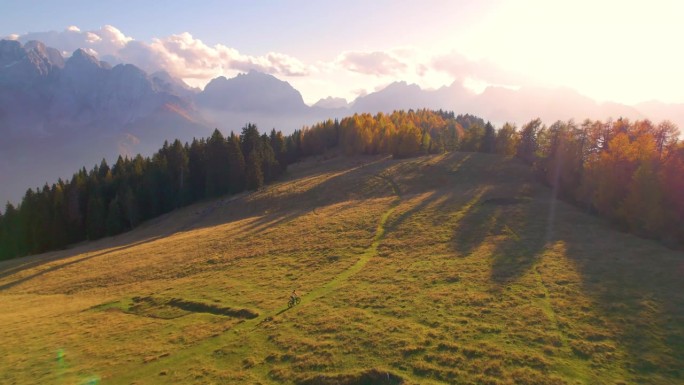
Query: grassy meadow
x,y
456,268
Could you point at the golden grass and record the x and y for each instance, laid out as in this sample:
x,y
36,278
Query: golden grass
x,y
440,269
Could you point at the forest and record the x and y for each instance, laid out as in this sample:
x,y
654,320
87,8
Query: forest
x,y
631,173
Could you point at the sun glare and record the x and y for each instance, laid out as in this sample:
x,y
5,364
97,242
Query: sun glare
x,y
608,50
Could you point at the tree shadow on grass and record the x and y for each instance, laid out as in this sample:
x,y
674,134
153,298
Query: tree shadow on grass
x,y
438,178
638,285
511,226
526,227
339,183
62,265
283,202
478,223
425,202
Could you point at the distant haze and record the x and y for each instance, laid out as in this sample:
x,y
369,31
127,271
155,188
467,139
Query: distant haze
x,y
103,80
609,50
90,110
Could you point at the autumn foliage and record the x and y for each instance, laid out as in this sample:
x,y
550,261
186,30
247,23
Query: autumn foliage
x,y
629,172
108,200
402,134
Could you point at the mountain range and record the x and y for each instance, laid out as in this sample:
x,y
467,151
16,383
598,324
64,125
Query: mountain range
x,y
59,114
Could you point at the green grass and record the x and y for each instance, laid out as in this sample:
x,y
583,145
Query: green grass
x,y
440,269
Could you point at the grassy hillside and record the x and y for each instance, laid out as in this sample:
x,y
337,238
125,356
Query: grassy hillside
x,y
446,269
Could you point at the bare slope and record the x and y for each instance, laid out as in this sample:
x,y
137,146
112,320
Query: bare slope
x,y
446,269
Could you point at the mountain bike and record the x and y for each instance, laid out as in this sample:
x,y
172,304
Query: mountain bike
x,y
293,301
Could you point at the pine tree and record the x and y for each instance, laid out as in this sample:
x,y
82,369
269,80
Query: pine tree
x,y
277,141
177,165
129,207
269,164
76,210
237,164
218,165
250,140
11,233
488,139
254,176
95,218
3,239
58,223
115,219
197,168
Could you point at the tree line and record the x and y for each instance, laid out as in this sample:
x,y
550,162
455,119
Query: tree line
x,y
631,173
110,200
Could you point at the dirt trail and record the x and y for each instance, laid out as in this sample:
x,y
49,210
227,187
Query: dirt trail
x,y
245,330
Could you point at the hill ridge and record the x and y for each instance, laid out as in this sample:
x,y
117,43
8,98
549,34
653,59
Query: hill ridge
x,y
456,281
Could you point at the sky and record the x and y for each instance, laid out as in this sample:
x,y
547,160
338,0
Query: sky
x,y
621,51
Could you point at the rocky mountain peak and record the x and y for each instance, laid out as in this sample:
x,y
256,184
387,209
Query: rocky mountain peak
x,y
332,102
26,64
251,91
51,55
10,51
81,59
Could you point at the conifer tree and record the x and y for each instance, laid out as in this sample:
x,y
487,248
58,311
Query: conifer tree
x,y
115,218
277,141
269,165
197,167
10,231
254,177
177,164
237,164
250,140
58,222
129,207
95,218
488,139
218,165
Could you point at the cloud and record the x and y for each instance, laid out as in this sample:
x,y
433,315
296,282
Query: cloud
x,y
181,55
372,63
107,40
273,62
189,58
462,68
359,92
